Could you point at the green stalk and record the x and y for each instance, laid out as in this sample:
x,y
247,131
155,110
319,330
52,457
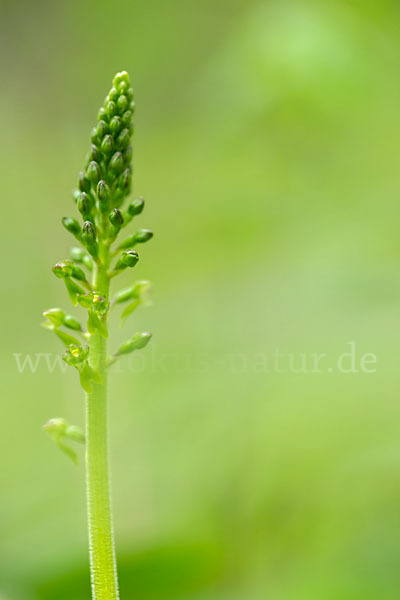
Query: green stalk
x,y
101,536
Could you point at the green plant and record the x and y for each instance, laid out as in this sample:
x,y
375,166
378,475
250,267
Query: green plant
x,y
103,186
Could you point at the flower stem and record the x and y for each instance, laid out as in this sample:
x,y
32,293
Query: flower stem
x,y
101,536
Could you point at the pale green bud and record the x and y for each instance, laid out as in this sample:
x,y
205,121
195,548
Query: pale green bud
x,y
84,183
140,237
127,259
113,94
111,109
107,145
116,219
102,130
117,163
139,340
93,172
115,124
104,196
127,119
93,154
85,204
123,139
72,226
121,77
89,238
136,207
122,103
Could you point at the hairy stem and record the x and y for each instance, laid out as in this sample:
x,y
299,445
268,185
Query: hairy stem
x,y
101,536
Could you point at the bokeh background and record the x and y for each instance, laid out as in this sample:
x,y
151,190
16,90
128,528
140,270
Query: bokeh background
x,y
267,148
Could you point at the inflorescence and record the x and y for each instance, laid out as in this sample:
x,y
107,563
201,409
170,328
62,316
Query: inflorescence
x,y
103,187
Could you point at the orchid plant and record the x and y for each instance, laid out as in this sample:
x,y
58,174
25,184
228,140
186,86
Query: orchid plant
x,y
99,256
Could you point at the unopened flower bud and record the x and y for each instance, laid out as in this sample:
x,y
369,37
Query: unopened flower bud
x,y
122,103
94,136
101,114
116,219
102,129
140,237
115,124
143,235
72,226
139,340
107,145
104,195
136,206
113,94
127,259
84,183
128,153
88,232
123,139
125,179
93,172
85,204
120,77
93,154
111,109
56,428
122,87
89,238
57,317
117,163
127,118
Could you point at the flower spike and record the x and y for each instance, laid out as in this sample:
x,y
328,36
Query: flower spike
x,y
103,186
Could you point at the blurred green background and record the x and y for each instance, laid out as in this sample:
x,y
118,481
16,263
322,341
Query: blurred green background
x,y
267,148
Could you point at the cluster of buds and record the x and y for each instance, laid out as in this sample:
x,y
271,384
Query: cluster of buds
x,y
107,178
105,183
103,186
